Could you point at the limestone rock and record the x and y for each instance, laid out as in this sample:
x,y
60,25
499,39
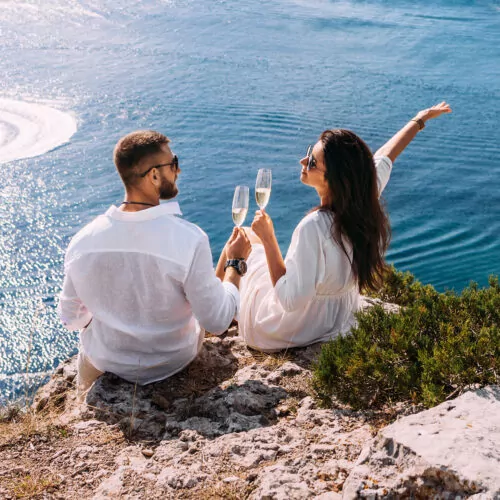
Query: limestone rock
x,y
450,451
56,390
367,302
279,482
235,419
240,424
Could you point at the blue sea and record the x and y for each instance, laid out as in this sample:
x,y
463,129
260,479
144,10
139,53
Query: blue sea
x,y
237,86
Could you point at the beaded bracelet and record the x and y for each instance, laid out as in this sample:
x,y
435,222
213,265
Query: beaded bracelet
x,y
419,121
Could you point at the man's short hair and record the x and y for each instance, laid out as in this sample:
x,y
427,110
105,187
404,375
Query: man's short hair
x,y
132,148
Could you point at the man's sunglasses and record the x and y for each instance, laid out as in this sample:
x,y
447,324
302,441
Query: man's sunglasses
x,y
311,161
174,162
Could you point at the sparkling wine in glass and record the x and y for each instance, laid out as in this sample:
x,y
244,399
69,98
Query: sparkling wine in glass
x,y
263,187
240,204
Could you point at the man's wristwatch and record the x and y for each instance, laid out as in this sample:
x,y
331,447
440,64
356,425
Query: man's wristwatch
x,y
239,264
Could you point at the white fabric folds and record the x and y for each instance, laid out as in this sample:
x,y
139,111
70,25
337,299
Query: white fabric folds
x,y
146,280
317,297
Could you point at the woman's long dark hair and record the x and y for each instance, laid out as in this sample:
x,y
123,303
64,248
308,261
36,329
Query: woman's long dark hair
x,y
358,215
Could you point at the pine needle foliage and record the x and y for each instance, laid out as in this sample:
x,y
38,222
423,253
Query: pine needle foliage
x,y
438,345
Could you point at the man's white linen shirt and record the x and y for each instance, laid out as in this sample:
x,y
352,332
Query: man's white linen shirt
x,y
147,282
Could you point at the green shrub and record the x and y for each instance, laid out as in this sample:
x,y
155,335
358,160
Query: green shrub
x,y
403,289
436,346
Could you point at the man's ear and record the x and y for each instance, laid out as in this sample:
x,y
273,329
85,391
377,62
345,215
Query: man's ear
x,y
154,176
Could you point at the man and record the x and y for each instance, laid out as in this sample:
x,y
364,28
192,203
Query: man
x,y
139,280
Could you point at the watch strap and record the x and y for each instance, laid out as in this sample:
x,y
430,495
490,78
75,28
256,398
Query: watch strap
x,y
234,263
419,122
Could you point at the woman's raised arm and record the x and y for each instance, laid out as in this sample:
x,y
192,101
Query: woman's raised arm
x,y
396,145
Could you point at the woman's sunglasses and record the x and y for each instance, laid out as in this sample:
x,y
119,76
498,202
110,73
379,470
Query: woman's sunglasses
x,y
311,161
174,163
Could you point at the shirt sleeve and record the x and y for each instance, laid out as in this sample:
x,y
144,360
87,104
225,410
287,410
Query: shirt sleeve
x,y
383,165
213,302
72,311
298,285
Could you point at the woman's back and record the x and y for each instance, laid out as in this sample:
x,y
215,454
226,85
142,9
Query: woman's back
x,y
312,302
315,300
336,275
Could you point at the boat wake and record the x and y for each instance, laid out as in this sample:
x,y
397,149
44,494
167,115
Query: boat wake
x,y
29,129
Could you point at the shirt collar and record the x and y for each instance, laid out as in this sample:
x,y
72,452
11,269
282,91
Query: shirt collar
x,y
168,208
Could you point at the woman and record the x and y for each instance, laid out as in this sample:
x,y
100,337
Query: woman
x,y
336,251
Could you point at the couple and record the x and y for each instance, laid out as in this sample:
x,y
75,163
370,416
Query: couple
x,y
139,280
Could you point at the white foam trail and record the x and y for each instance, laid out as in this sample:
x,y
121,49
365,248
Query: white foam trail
x,y
28,129
48,11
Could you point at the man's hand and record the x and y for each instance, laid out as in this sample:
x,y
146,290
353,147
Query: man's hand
x,y
262,226
238,245
434,112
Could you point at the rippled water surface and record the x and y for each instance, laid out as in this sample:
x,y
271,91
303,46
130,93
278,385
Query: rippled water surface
x,y
237,85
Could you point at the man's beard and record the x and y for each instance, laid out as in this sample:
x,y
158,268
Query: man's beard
x,y
168,190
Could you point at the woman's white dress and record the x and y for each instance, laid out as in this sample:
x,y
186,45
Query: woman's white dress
x,y
316,298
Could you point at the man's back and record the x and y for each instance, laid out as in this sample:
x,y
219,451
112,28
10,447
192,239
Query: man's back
x,y
143,275
139,282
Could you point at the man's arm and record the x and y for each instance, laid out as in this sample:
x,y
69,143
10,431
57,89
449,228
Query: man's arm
x,y
215,303
72,311
239,246
219,270
396,145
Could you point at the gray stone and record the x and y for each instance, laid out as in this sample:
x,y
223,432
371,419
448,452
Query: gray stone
x,y
451,451
367,302
281,483
56,390
234,420
288,369
87,425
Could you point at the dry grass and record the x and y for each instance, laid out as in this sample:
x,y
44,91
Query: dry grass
x,y
23,422
10,413
29,423
18,422
224,491
32,485
273,360
29,441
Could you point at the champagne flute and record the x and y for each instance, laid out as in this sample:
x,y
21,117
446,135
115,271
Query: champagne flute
x,y
263,187
240,204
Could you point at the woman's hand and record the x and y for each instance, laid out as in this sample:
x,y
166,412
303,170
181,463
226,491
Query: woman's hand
x,y
262,226
434,112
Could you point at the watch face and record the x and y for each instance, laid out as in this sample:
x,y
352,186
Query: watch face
x,y
242,267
